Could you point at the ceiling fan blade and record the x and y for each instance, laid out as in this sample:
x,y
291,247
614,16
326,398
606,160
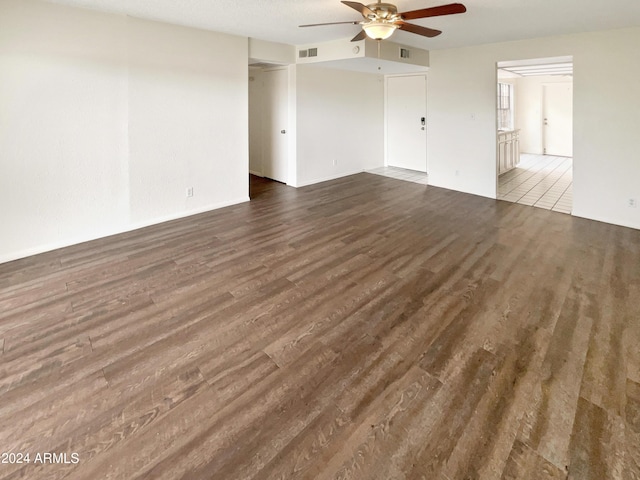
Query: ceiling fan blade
x,y
361,36
330,23
424,31
363,9
449,9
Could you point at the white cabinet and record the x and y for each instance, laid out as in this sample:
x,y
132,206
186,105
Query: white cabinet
x,y
508,150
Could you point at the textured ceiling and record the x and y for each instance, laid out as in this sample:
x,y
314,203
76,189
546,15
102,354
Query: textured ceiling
x,y
486,21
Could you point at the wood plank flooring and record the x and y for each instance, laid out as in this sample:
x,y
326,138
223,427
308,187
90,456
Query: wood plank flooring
x,y
363,328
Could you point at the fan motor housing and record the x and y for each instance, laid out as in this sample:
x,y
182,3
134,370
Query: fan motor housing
x,y
383,10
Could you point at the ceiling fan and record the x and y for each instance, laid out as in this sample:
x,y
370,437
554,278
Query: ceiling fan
x,y
380,20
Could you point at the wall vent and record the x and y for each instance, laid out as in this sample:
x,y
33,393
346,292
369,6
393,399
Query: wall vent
x,y
313,52
404,53
303,53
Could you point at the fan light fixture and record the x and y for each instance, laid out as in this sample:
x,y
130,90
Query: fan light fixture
x,y
379,29
380,20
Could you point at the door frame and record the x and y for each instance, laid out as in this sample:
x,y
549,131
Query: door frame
x,y
287,128
291,175
524,61
386,110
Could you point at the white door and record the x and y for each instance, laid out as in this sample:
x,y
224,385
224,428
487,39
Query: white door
x,y
406,113
276,125
558,119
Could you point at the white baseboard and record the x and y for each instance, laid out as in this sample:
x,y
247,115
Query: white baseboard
x,y
611,221
129,228
326,179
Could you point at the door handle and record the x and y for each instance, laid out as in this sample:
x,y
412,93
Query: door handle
x,y
283,131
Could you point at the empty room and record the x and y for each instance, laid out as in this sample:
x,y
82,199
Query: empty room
x,y
267,240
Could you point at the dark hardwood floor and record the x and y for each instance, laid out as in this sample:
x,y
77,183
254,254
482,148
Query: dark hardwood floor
x,y
362,328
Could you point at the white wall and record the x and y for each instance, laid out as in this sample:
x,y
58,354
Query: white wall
x,y
63,116
340,117
272,52
462,119
106,120
529,110
328,121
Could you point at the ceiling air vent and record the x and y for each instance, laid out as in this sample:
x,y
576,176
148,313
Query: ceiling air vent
x,y
313,52
404,53
303,53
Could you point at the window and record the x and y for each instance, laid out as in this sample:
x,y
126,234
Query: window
x,y
505,106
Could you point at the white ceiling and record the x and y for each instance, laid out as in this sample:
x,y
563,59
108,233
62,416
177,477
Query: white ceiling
x,y
486,21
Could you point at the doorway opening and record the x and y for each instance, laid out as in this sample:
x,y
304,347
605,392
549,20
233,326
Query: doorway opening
x,y
405,128
268,124
262,186
535,132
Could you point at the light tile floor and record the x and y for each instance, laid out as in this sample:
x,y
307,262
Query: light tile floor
x,y
543,181
401,174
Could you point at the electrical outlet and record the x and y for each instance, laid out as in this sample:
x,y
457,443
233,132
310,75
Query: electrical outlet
x,y
633,203
189,192
457,173
335,162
